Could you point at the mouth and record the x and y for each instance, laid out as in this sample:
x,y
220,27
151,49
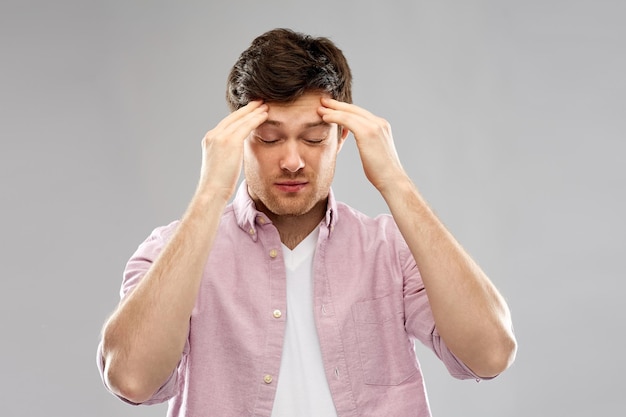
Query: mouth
x,y
291,186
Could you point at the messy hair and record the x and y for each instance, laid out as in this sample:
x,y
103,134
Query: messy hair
x,y
281,65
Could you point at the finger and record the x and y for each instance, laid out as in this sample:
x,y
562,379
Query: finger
x,y
237,130
249,117
250,108
346,107
239,113
350,120
348,114
242,127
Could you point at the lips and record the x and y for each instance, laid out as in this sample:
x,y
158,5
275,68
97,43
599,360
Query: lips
x,y
290,186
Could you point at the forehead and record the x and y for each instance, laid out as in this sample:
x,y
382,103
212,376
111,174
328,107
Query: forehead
x,y
300,113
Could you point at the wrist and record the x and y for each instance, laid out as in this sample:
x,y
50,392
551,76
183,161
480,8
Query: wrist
x,y
394,185
207,199
211,193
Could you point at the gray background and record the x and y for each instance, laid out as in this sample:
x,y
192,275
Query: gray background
x,y
508,115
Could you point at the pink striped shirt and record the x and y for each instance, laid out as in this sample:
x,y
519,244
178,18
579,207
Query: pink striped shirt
x,y
370,307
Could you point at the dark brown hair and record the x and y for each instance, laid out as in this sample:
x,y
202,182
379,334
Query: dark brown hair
x,y
281,65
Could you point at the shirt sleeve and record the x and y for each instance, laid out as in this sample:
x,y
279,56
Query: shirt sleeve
x,y
419,320
136,268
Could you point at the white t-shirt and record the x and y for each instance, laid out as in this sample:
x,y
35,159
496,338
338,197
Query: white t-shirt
x,y
302,388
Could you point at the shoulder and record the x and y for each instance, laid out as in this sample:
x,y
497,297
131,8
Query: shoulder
x,y
379,237
353,218
355,226
164,233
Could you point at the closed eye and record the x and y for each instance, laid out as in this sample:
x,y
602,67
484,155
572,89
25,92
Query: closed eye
x,y
266,141
314,141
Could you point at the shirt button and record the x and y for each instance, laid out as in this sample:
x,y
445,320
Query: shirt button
x,y
277,314
251,231
273,253
268,379
261,220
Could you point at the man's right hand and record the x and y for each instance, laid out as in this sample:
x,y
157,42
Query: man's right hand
x,y
222,149
144,338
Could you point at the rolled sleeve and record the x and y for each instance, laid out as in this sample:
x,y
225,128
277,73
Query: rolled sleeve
x,y
420,323
136,268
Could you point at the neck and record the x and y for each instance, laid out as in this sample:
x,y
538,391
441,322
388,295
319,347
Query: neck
x,y
293,229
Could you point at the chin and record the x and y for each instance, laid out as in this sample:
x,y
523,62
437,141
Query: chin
x,y
289,209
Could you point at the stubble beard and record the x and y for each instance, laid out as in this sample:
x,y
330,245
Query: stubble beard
x,y
285,205
289,205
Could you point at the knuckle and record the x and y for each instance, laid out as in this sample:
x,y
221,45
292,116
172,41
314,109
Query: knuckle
x,y
207,139
384,126
212,136
384,123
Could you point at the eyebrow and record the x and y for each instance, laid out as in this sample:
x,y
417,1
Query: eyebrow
x,y
305,125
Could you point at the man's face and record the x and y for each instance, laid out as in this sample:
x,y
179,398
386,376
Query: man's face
x,y
289,160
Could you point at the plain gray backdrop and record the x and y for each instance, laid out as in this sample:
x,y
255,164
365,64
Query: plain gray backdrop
x,y
510,116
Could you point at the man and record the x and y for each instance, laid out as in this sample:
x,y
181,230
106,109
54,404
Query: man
x,y
287,302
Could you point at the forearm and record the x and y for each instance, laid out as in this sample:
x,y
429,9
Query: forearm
x,y
144,338
471,316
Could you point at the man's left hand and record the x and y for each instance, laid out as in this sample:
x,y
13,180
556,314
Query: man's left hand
x,y
373,138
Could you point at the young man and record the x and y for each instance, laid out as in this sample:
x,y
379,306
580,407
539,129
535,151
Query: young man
x,y
287,302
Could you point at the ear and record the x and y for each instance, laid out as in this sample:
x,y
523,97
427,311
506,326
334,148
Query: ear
x,y
342,135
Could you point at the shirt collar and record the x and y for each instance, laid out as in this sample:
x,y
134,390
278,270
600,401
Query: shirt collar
x,y
248,217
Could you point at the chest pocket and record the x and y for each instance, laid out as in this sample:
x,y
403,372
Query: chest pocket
x,y
386,352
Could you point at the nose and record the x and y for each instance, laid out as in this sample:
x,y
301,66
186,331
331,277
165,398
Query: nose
x,y
291,159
